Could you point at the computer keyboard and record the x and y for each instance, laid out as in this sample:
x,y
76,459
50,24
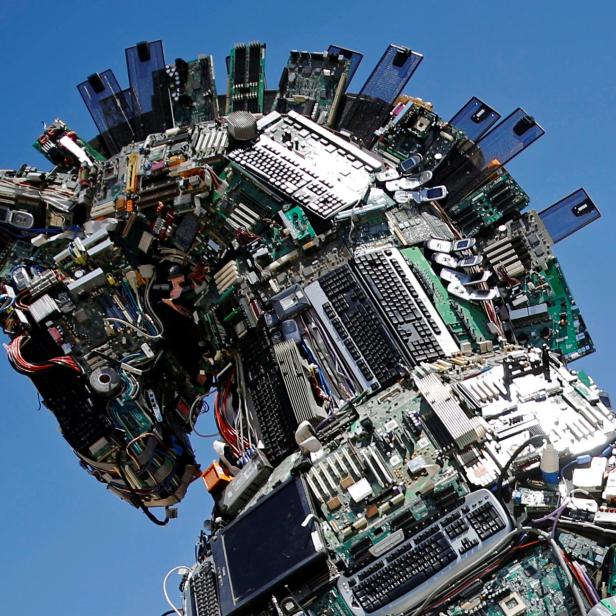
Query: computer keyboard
x,y
200,592
270,400
315,136
82,422
325,175
404,576
81,416
352,321
287,172
420,330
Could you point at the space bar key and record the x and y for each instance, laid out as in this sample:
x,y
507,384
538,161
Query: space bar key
x,y
406,586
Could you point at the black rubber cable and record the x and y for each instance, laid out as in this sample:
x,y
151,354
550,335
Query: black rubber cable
x,y
503,474
136,497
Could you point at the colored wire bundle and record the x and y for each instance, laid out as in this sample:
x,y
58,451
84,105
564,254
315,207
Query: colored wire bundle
x,y
236,441
133,327
227,431
14,352
584,582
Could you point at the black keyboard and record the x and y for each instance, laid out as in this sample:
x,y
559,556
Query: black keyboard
x,y
405,575
270,400
352,315
82,417
420,331
200,592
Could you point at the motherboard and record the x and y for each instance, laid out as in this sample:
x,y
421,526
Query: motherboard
x,y
361,296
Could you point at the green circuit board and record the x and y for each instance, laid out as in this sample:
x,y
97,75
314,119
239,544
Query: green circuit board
x,y
13,254
91,151
197,100
533,585
563,322
298,224
244,188
312,84
485,206
419,130
611,583
466,321
330,604
246,85
421,482
584,550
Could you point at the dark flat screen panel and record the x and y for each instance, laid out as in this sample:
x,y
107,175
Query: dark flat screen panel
x,y
569,215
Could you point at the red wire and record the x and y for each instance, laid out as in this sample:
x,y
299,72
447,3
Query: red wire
x,y
13,350
581,582
227,431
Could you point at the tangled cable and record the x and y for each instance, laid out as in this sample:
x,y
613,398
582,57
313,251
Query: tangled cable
x,y
14,352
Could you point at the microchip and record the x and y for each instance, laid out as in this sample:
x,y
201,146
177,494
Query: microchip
x,y
512,605
536,430
468,457
186,232
415,465
80,315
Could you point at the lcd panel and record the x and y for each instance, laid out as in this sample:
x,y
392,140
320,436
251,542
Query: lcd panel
x,y
143,61
109,107
469,164
475,118
140,73
569,215
508,138
391,74
273,538
370,109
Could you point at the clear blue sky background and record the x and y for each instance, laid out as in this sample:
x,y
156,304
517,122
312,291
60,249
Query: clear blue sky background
x,y
69,548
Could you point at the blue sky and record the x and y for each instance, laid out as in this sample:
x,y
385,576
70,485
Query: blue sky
x,y
68,547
